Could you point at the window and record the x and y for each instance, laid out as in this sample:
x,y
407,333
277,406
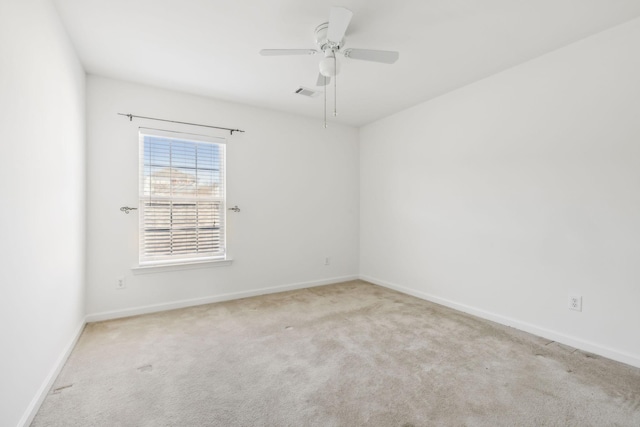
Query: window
x,y
182,197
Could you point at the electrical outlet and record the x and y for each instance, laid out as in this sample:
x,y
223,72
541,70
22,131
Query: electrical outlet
x,y
327,261
575,302
121,283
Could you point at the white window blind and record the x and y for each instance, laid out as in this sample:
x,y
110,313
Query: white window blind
x,y
182,197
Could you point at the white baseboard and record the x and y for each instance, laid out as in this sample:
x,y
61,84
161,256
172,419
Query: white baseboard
x,y
36,402
578,343
134,311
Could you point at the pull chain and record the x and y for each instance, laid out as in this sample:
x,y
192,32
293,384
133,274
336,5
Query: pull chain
x,y
325,100
335,86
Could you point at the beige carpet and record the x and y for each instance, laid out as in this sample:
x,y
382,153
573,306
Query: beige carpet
x,y
351,354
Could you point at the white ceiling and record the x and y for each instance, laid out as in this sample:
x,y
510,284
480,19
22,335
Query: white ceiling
x,y
210,47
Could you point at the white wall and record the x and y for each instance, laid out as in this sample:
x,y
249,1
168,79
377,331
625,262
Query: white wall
x,y
296,184
507,195
42,203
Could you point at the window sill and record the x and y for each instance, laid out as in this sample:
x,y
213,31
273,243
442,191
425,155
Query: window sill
x,y
161,268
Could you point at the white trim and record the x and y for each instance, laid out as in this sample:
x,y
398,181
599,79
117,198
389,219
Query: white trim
x,y
115,314
41,394
161,268
569,340
146,195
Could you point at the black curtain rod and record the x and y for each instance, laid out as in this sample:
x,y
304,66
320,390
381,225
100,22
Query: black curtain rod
x,y
131,116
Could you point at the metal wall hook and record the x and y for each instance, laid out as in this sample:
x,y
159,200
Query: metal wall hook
x,y
235,208
127,209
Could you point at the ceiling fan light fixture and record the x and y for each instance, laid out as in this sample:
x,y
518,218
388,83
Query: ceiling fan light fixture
x,y
329,66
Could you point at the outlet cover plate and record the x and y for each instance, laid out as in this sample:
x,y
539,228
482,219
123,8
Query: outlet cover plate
x,y
575,302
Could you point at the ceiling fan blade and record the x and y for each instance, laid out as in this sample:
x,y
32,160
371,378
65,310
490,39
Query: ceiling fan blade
x,y
322,80
384,56
281,52
339,19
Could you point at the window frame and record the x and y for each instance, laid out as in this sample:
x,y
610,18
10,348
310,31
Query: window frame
x,y
181,258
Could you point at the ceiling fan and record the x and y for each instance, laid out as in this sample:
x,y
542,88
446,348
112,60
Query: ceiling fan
x,y
329,37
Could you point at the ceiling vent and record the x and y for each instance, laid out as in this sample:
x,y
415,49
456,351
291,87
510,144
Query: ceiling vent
x,y
307,92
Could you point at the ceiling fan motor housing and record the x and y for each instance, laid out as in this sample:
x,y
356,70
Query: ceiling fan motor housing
x,y
322,41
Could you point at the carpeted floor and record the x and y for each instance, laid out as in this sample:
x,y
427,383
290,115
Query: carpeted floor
x,y
351,354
